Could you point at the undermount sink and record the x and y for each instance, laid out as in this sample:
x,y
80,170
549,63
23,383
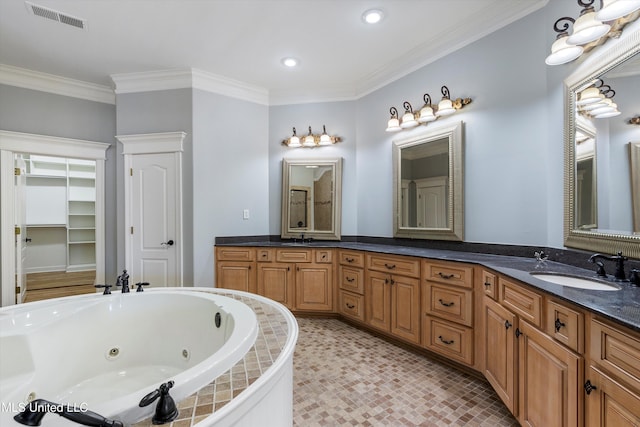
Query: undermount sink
x,y
576,282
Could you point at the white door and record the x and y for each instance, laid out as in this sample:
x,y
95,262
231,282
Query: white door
x,y
20,216
154,210
431,203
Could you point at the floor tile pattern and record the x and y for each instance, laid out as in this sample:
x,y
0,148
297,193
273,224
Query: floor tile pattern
x,y
347,377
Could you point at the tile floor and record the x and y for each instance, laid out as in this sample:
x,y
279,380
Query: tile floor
x,y
347,377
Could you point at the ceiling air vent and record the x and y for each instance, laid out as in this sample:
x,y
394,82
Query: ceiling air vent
x,y
54,15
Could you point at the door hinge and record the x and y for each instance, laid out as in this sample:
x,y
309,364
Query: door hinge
x,y
18,292
18,231
17,171
130,171
131,230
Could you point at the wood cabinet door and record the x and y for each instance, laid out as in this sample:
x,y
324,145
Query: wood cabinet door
x,y
276,281
405,308
314,287
239,276
500,352
378,300
610,403
550,378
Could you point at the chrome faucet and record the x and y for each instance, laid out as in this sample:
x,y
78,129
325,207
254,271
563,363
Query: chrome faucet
x,y
618,259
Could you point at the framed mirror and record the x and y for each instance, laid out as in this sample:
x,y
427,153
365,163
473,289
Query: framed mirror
x,y
428,184
600,200
311,198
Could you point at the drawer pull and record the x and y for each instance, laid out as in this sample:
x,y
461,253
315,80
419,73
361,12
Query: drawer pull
x,y
349,259
507,324
350,279
588,387
350,306
446,304
559,325
264,255
487,284
518,333
390,266
447,342
445,276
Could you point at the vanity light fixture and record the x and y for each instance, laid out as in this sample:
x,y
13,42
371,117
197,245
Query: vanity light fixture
x,y
596,101
311,140
591,28
427,113
634,120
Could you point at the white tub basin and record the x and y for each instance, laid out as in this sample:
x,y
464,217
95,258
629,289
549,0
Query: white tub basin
x,y
576,282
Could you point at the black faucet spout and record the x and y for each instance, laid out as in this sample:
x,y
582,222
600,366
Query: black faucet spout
x,y
36,410
619,260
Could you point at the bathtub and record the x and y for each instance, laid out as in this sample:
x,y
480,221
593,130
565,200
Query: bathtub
x,y
105,352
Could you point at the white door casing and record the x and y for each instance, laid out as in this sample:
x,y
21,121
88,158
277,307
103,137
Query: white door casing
x,y
153,207
18,142
21,226
431,202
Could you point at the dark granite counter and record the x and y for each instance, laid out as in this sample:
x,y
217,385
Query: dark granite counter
x,y
621,306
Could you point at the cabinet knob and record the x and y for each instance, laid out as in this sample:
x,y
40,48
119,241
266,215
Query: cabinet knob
x,y
559,325
518,333
507,324
588,387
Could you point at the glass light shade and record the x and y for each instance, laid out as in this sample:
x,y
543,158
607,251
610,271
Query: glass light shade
x,y
589,96
614,9
445,107
605,109
561,52
408,120
309,141
393,125
608,114
426,114
587,29
294,141
325,139
602,103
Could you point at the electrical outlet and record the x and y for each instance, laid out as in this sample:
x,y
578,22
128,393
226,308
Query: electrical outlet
x,y
245,214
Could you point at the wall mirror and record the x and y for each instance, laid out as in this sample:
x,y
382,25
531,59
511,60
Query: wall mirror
x,y
600,205
311,198
428,184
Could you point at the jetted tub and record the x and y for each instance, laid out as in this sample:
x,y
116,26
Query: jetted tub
x,y
104,353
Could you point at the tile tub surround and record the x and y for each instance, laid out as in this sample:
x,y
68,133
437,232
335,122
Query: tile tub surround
x,y
622,307
273,334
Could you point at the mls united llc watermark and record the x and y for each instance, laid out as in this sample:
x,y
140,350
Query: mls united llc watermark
x,y
40,406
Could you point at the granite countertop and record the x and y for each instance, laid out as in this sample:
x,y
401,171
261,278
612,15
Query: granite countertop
x,y
622,306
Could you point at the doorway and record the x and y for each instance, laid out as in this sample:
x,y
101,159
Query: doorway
x,y
85,153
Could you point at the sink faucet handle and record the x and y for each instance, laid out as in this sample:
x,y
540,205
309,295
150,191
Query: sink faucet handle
x,y
107,289
140,285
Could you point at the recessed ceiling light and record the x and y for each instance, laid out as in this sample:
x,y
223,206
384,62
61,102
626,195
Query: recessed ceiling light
x,y
372,16
290,62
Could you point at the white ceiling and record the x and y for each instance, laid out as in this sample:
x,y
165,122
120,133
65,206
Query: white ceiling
x,y
245,40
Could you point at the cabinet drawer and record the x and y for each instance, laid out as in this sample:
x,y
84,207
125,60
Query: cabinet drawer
x,y
616,351
490,284
229,253
352,305
264,255
352,279
352,258
449,303
566,325
453,341
405,266
451,273
524,302
293,255
323,255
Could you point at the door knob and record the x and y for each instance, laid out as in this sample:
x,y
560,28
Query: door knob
x,y
167,243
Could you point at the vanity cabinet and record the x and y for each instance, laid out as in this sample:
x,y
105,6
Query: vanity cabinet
x,y
612,385
538,377
447,302
236,268
392,295
351,284
276,280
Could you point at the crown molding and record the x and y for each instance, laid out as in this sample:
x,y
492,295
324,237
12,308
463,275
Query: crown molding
x,y
188,79
43,82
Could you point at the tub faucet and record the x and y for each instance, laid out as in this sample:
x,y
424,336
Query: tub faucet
x,y
123,280
618,259
36,410
166,410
